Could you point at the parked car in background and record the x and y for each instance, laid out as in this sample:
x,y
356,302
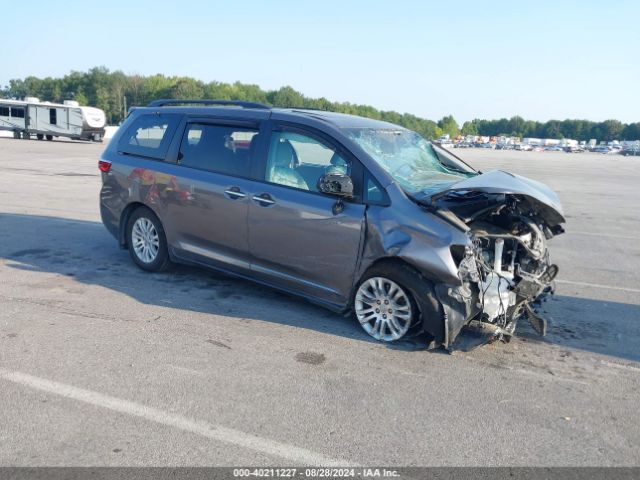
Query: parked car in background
x,y
631,151
554,148
505,146
524,147
602,149
354,214
573,149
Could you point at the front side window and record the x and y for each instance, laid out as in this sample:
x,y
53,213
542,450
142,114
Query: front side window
x,y
218,148
4,111
297,160
149,135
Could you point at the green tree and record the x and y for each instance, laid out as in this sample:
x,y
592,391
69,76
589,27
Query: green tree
x,y
612,130
632,131
470,128
449,126
81,98
286,97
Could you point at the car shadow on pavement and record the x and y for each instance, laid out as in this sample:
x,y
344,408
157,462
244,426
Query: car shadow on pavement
x,y
600,326
85,251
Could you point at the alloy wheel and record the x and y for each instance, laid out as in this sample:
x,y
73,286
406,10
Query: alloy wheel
x,y
383,309
145,240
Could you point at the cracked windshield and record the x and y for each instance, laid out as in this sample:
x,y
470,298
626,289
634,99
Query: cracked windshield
x,y
411,160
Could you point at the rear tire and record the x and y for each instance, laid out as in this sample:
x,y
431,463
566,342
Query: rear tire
x,y
49,137
146,241
410,300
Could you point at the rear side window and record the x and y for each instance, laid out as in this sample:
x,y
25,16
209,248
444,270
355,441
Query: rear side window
x,y
218,148
17,112
149,135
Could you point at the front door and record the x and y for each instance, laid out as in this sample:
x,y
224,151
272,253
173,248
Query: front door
x,y
295,239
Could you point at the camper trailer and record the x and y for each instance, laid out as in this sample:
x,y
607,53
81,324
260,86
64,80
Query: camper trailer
x,y
29,117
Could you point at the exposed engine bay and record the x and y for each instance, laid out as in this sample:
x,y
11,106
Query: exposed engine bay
x,y
505,271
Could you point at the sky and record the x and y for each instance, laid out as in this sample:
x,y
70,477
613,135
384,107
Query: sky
x,y
538,59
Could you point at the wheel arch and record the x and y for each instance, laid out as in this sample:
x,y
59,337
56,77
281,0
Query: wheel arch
x,y
395,261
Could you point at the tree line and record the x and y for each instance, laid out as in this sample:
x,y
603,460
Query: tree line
x,y
575,129
115,91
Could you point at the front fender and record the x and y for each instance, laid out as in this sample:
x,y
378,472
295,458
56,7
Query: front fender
x,y
409,232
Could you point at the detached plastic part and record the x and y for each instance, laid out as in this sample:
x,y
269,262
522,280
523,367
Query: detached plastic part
x,y
538,323
477,333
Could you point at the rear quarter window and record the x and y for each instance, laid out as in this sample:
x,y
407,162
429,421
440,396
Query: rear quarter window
x,y
149,135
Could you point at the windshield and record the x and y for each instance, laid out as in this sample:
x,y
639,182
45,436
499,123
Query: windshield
x,y
419,167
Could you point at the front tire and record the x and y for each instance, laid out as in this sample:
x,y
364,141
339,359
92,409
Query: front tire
x,y
392,301
146,241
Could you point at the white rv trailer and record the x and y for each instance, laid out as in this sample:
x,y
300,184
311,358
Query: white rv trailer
x,y
47,120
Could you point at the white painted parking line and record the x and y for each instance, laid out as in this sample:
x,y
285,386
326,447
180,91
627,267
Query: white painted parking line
x,y
215,432
596,285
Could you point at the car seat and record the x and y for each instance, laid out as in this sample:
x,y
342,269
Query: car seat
x,y
282,167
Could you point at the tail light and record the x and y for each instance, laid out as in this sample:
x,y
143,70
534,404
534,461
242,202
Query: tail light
x,y
104,166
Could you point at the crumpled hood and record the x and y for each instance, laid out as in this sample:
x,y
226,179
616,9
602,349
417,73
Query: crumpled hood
x,y
499,181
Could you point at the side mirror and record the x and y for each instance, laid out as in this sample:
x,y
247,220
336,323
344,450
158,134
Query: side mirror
x,y
336,184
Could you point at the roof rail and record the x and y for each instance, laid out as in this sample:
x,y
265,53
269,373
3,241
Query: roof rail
x,y
165,102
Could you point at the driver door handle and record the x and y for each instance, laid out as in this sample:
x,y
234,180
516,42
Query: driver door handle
x,y
264,199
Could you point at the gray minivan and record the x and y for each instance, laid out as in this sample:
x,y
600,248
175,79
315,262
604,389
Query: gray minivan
x,y
355,214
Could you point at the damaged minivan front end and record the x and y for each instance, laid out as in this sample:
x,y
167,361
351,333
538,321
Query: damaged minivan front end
x,y
479,239
505,269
